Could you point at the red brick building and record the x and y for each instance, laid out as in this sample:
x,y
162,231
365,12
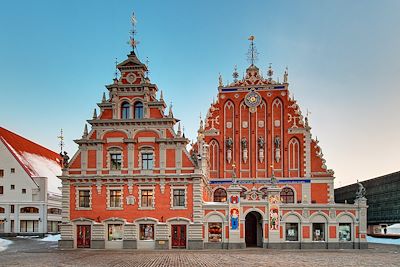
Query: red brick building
x,y
255,176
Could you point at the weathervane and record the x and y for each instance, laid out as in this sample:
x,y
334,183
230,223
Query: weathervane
x,y
61,137
252,54
132,40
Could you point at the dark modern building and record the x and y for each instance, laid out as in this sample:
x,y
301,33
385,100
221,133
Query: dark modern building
x,y
383,195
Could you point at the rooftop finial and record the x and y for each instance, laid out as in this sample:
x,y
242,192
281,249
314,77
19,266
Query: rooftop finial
x,y
179,133
161,96
170,114
252,54
132,40
147,67
285,75
270,72
235,74
85,131
95,114
61,137
220,82
116,69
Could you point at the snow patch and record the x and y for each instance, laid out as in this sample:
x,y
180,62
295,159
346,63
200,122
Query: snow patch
x,y
27,236
45,168
389,241
51,238
394,229
4,243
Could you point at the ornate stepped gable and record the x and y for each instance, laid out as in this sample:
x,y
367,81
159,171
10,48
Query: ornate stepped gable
x,y
255,124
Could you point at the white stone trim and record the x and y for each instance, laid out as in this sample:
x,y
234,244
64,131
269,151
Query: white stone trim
x,y
172,188
77,189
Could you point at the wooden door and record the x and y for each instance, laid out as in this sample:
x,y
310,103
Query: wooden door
x,y
251,230
178,236
83,236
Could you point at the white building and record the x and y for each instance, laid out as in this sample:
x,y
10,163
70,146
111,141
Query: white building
x,y
30,196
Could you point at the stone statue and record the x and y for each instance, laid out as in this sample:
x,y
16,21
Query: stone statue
x,y
244,143
195,159
361,191
261,142
229,143
65,159
273,180
277,142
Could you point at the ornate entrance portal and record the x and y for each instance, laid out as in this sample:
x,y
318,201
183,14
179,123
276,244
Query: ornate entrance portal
x,y
254,231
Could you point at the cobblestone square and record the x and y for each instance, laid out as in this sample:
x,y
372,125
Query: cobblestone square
x,y
27,252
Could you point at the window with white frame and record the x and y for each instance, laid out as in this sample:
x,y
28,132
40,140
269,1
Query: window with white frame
x,y
115,198
318,231
147,161
146,198
115,232
344,231
179,197
115,161
83,198
292,231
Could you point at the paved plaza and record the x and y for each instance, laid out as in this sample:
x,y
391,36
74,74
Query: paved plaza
x,y
27,252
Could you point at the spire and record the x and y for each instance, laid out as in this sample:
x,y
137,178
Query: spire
x,y
183,132
201,128
85,131
133,43
95,114
161,96
270,72
103,100
285,75
235,74
252,54
179,133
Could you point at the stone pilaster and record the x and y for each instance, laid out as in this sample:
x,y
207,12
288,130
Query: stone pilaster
x,y
233,194
274,214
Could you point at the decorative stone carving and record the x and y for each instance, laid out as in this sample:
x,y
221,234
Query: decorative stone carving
x,y
277,142
130,200
98,187
244,149
162,185
361,191
65,159
261,145
229,146
245,124
229,125
261,124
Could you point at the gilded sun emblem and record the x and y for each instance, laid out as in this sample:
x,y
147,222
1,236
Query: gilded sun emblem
x,y
252,100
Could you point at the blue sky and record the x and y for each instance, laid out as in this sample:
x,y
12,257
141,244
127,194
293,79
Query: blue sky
x,y
343,59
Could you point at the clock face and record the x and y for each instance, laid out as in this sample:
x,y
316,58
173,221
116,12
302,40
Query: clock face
x,y
252,99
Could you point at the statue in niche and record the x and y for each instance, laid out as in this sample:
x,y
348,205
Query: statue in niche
x,y
361,191
229,146
65,159
195,159
244,149
261,145
277,142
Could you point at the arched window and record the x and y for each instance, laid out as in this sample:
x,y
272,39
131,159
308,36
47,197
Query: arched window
x,y
1,210
220,195
287,195
125,110
138,110
29,210
54,211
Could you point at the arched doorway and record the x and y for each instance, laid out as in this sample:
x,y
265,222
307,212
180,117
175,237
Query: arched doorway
x,y
254,229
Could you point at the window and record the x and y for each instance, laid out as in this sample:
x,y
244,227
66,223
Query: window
x,y
179,198
84,199
12,208
318,232
2,222
115,232
147,161
12,226
215,232
287,195
116,161
2,210
29,226
1,190
29,210
12,170
52,226
125,110
12,186
292,232
147,232
1,173
53,211
146,198
344,231
220,195
115,198
23,191
138,110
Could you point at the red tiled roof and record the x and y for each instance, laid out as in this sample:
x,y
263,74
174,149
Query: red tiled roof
x,y
36,160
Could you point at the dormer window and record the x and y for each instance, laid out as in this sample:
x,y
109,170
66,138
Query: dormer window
x,y
125,110
138,110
